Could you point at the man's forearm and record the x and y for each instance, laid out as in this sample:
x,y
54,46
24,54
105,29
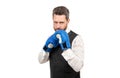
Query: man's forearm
x,y
43,56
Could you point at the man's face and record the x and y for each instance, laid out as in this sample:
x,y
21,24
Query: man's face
x,y
60,22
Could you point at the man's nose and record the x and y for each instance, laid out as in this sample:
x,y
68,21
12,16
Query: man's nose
x,y
58,28
58,25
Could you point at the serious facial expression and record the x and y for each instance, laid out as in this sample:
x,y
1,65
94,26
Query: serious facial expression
x,y
60,22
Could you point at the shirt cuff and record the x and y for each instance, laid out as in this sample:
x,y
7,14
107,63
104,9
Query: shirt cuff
x,y
68,54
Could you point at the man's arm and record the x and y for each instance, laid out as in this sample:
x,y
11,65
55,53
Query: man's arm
x,y
75,55
43,56
51,43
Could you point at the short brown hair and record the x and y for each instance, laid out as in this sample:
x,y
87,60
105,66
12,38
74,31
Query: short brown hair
x,y
61,10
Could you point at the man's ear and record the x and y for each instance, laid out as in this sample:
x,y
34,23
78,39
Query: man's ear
x,y
68,20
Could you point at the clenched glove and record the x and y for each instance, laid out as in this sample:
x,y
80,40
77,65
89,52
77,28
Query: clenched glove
x,y
63,39
51,42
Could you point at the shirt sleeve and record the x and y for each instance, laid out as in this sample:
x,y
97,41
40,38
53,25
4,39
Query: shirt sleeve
x,y
43,56
75,55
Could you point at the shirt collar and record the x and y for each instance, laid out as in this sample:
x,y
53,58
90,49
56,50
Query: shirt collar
x,y
67,30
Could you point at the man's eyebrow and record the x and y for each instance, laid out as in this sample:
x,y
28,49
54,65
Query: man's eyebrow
x,y
59,22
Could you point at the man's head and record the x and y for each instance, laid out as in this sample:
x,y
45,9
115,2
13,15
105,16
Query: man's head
x,y
60,18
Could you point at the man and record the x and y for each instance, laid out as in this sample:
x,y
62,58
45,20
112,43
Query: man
x,y
64,49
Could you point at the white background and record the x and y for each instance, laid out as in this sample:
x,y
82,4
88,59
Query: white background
x,y
26,24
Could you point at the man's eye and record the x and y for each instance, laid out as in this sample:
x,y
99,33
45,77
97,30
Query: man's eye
x,y
55,22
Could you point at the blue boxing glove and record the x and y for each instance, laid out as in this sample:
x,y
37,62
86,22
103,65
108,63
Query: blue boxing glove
x,y
63,39
51,42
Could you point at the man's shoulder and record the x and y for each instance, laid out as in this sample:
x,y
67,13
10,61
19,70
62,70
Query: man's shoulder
x,y
73,32
77,36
